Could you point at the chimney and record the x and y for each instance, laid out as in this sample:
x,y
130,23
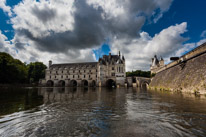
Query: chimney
x,y
110,55
50,63
119,53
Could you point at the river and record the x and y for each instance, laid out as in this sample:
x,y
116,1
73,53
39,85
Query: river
x,y
121,112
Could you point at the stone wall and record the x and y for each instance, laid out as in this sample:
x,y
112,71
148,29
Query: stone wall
x,y
186,76
195,52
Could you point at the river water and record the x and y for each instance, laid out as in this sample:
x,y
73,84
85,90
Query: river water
x,y
121,112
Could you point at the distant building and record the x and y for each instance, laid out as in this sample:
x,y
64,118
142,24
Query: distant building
x,y
156,64
108,71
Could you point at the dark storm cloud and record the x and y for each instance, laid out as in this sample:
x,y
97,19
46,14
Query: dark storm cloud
x,y
44,14
90,29
88,32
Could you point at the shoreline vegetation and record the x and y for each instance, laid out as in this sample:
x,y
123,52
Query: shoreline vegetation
x,y
15,72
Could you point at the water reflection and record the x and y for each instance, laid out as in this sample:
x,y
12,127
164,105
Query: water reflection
x,y
18,99
103,112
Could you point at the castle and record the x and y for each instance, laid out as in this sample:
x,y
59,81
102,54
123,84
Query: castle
x,y
108,71
156,64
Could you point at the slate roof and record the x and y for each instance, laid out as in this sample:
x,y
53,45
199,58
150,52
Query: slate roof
x,y
75,65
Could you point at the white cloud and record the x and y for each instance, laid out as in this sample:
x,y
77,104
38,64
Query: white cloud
x,y
139,51
203,34
4,43
44,17
5,8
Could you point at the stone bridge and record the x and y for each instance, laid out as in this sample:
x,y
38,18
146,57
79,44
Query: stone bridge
x,y
138,81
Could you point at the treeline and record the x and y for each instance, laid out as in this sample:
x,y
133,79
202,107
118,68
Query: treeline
x,y
13,71
140,73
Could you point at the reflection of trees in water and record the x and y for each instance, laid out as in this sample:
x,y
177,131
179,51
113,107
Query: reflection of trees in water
x,y
18,99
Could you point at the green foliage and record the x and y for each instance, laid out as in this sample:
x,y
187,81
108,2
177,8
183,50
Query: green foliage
x,y
14,71
11,70
140,73
36,71
152,75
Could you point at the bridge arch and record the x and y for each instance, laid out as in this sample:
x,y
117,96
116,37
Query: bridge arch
x,y
110,83
50,83
144,84
93,84
73,83
85,83
61,83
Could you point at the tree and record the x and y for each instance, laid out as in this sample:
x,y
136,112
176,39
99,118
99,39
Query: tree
x,y
11,70
36,71
14,71
139,73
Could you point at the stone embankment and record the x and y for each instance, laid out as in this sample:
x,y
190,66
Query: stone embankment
x,y
188,74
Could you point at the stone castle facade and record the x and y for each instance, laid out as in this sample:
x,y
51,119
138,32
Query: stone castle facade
x,y
157,64
108,71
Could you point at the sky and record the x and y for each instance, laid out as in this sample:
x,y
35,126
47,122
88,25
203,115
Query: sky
x,y
67,31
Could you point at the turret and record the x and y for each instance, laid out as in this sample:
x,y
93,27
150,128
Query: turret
x,y
50,63
123,58
155,61
162,62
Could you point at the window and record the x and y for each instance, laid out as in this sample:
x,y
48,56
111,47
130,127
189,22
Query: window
x,y
73,76
56,72
96,70
78,76
96,76
84,76
113,74
50,72
50,77
89,76
112,68
89,70
73,71
62,71
55,76
79,71
67,76
84,71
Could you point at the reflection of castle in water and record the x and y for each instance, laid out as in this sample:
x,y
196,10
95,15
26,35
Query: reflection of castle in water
x,y
61,94
73,94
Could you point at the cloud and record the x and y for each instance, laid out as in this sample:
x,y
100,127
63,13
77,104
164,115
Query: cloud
x,y
203,34
139,51
5,8
61,26
31,53
4,43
